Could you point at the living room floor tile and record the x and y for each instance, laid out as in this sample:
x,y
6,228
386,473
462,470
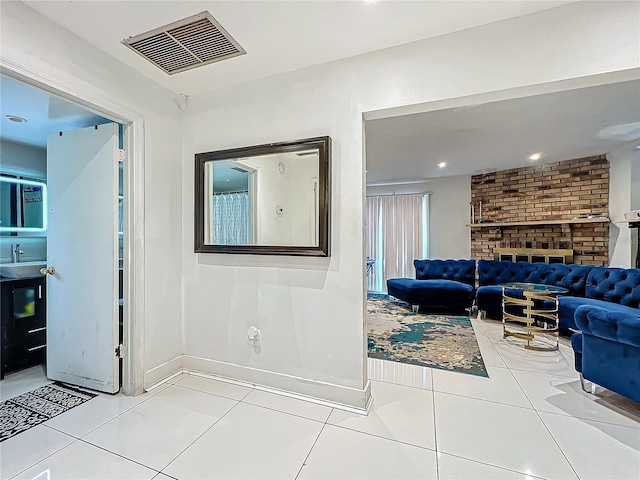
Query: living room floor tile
x,y
28,448
81,420
293,406
81,460
597,450
516,357
490,355
344,454
398,413
563,395
156,431
456,468
216,387
399,373
500,387
249,442
509,437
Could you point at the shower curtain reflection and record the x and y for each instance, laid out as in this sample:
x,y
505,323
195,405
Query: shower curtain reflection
x,y
231,214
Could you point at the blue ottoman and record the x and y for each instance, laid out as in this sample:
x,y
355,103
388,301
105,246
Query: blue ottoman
x,y
440,286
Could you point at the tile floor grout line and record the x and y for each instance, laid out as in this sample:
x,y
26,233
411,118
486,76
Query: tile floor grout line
x,y
50,455
381,437
563,415
108,421
199,437
208,393
528,475
120,455
304,462
557,445
489,401
285,413
548,431
435,426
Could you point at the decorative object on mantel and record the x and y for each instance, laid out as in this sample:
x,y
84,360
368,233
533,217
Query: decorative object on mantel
x,y
397,334
20,413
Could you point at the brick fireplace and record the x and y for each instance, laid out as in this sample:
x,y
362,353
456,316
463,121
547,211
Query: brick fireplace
x,y
561,205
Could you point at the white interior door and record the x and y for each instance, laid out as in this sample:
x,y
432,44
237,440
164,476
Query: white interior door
x,y
82,246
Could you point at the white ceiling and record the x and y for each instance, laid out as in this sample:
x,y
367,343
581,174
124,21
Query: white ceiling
x,y
501,135
279,36
45,114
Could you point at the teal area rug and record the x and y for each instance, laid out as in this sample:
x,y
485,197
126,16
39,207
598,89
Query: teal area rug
x,y
436,341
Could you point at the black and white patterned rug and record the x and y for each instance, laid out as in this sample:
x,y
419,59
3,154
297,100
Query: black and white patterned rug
x,y
32,408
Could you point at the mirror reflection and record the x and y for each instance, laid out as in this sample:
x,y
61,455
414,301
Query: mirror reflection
x,y
271,199
263,200
22,205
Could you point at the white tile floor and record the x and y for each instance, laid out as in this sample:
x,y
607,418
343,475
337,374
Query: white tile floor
x,y
528,420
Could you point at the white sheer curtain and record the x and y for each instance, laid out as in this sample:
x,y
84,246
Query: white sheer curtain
x,y
396,235
231,218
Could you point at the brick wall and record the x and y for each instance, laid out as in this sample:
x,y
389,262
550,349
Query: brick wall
x,y
553,191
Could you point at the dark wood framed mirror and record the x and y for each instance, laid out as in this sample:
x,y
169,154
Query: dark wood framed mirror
x,y
271,199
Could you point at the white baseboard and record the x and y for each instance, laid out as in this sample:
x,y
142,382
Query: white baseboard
x,y
336,396
162,372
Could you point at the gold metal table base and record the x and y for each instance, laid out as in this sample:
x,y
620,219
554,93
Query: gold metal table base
x,y
532,315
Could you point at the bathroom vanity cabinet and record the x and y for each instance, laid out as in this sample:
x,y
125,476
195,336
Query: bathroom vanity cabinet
x,y
24,326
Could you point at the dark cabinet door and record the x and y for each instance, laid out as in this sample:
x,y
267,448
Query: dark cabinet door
x,y
24,326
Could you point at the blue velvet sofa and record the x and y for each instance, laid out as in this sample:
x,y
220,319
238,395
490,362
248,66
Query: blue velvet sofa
x,y
439,286
492,273
614,289
607,349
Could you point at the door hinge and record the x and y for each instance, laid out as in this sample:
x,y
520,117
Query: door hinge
x,y
122,154
120,350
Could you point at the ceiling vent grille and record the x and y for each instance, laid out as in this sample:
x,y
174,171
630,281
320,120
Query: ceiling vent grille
x,y
186,44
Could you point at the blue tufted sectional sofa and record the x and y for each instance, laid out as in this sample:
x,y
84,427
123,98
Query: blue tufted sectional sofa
x,y
602,302
493,273
614,289
440,285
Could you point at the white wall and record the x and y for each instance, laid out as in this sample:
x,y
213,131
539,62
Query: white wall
x,y
26,160
311,311
448,213
624,196
620,170
43,50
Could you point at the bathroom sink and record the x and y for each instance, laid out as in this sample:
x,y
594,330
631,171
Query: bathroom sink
x,y
21,269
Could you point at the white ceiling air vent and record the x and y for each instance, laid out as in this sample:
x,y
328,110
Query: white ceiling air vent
x,y
186,44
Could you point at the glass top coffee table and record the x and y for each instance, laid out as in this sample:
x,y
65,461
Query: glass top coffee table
x,y
539,311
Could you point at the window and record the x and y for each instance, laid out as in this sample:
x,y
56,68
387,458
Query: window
x,y
397,234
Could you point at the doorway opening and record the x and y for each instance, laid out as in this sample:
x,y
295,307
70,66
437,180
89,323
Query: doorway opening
x,y
27,243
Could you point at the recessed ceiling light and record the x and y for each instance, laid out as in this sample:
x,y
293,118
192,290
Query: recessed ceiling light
x,y
535,156
442,164
15,118
637,147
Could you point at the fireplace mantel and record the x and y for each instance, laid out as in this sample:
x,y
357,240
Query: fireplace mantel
x,y
538,222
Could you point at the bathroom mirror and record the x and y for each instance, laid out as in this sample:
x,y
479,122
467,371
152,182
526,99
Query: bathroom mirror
x,y
266,199
23,205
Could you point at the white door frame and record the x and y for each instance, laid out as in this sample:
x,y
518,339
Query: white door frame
x,y
134,227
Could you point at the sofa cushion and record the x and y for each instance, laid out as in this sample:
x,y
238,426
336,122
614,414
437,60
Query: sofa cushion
x,y
568,305
433,294
463,271
617,326
615,285
572,277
